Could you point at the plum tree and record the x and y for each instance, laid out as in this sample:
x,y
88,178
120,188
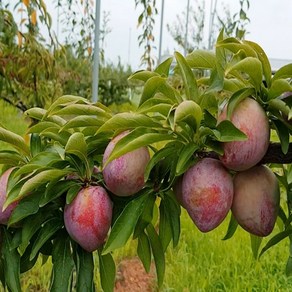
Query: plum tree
x,y
252,120
207,192
86,166
124,176
256,200
88,217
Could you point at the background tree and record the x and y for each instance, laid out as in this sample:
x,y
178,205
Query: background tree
x,y
233,25
147,20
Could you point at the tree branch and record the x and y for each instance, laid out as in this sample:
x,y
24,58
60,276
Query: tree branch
x,y
274,154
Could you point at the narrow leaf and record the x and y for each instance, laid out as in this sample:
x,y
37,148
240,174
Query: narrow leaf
x,y
163,68
232,226
158,253
14,140
255,244
128,120
85,271
63,264
11,262
48,229
34,183
190,112
107,271
125,224
144,251
190,83
275,239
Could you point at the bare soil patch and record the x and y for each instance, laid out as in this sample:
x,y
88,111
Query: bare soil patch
x,y
132,277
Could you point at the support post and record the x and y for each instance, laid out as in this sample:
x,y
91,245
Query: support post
x,y
95,74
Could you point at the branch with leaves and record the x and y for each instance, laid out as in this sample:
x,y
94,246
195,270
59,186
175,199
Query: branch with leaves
x,y
177,124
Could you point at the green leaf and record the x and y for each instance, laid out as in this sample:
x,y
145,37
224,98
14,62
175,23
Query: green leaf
x,y
55,134
232,226
255,242
11,262
63,264
278,87
26,207
201,59
165,232
32,224
158,253
236,98
190,112
107,271
146,216
157,104
80,109
41,114
25,263
49,228
283,73
72,193
190,83
134,140
252,67
55,189
274,240
14,140
143,75
144,251
264,60
234,45
67,100
10,157
168,150
84,121
128,120
163,68
283,134
288,269
151,87
174,211
228,132
41,126
77,145
85,271
35,144
184,158
34,183
125,224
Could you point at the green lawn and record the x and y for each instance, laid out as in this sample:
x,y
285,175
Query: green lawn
x,y
203,262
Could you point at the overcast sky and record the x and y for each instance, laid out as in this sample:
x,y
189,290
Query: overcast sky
x,y
270,26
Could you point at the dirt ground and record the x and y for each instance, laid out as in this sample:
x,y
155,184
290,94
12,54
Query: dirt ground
x,y
132,277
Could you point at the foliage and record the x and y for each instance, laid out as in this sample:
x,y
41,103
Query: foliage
x,y
147,20
26,64
236,25
233,26
196,28
34,74
70,136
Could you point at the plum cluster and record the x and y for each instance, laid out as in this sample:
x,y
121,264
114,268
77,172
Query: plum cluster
x,y
208,190
88,217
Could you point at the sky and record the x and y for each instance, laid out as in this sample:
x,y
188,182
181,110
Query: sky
x,y
270,26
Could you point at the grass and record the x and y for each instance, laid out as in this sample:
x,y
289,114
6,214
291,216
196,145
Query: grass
x,y
201,262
